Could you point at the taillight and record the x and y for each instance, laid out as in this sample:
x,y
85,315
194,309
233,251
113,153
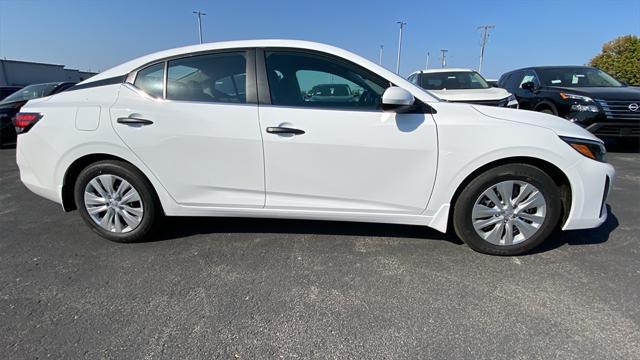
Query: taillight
x,y
24,121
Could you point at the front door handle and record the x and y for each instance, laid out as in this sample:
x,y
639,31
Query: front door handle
x,y
284,130
134,121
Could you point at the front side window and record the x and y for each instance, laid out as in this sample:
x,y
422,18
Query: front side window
x,y
310,80
151,80
529,76
453,80
208,78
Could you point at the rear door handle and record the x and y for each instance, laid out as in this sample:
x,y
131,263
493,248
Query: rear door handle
x,y
134,121
284,130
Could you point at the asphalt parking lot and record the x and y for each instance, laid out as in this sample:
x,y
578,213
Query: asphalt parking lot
x,y
245,288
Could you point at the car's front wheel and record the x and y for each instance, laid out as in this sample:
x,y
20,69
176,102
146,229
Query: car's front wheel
x,y
116,201
507,210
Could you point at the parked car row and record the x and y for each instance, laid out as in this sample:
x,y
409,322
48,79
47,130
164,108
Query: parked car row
x,y
11,105
583,95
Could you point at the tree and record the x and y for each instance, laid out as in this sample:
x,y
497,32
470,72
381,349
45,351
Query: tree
x,y
621,58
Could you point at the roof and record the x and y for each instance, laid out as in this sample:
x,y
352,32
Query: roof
x,y
546,67
428,71
129,66
28,62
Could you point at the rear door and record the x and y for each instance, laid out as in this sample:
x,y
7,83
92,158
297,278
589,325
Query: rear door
x,y
194,122
345,155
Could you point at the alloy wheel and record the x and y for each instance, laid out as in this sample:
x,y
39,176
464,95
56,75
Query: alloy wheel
x,y
113,203
509,212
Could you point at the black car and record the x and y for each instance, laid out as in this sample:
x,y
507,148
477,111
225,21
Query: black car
x,y
11,105
8,90
581,94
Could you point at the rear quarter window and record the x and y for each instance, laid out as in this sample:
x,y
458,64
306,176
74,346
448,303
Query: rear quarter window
x,y
151,80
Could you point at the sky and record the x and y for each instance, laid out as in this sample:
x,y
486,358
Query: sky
x,y
98,34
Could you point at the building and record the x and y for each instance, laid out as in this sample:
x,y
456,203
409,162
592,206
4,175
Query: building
x,y
22,73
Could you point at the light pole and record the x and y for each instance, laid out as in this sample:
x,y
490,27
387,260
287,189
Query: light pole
x,y
428,57
444,57
381,51
485,37
199,14
402,24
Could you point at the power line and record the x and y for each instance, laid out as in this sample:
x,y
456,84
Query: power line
x,y
402,24
199,14
485,38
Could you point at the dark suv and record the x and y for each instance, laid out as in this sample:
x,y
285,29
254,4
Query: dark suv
x,y
584,95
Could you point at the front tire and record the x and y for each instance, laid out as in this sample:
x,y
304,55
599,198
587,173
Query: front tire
x,y
116,201
507,210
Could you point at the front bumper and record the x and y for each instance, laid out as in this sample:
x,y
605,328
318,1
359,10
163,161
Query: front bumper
x,y
602,126
591,182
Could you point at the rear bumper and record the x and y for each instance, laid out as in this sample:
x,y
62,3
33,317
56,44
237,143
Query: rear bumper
x,y
32,181
591,183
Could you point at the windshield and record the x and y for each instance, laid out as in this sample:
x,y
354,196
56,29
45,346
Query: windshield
x,y
31,92
577,77
454,80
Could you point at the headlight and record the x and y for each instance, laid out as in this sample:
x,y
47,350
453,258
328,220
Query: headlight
x,y
566,96
592,149
584,108
511,101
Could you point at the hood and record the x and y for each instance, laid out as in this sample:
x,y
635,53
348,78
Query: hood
x,y
558,125
492,93
603,93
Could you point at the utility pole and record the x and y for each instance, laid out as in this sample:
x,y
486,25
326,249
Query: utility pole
x,y
199,14
444,57
428,57
381,51
483,44
402,24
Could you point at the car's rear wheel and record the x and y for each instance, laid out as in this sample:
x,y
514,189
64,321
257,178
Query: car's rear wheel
x,y
116,201
508,210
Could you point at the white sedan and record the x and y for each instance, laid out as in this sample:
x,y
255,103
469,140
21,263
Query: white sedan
x,y
225,129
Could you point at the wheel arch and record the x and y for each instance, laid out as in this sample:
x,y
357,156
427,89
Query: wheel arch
x,y
545,104
74,169
558,176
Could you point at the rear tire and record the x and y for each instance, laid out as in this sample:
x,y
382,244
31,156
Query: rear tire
x,y
482,219
117,201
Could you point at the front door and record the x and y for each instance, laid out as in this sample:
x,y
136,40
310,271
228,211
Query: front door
x,y
328,145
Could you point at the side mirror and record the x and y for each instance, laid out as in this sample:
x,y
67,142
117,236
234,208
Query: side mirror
x,y
529,85
397,99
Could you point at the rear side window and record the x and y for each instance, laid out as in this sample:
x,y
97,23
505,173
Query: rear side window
x,y
151,80
208,78
511,81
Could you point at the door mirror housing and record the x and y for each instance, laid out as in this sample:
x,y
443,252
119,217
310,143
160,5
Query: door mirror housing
x,y
397,99
529,85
